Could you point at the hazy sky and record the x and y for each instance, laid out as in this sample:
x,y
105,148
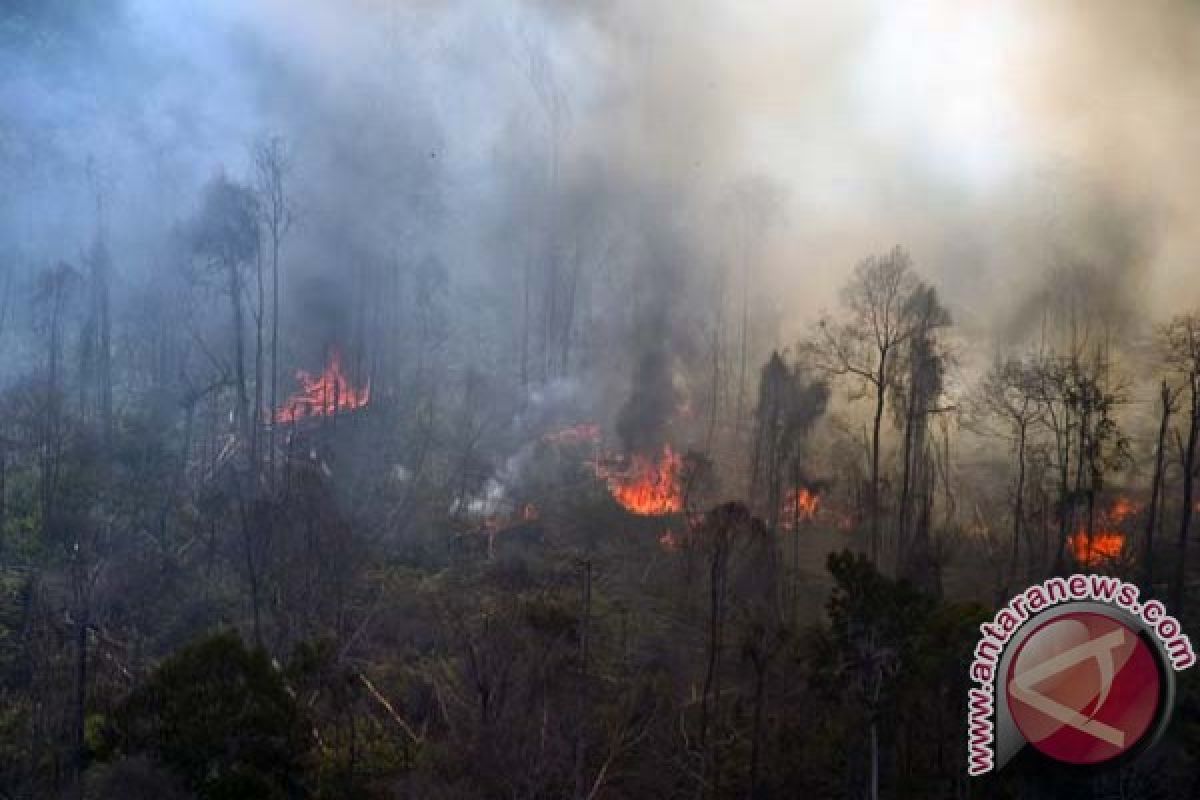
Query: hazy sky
x,y
994,139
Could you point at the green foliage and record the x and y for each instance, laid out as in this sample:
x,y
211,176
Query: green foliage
x,y
898,657
865,602
219,716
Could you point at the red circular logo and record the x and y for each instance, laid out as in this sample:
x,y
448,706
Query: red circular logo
x,y
1084,688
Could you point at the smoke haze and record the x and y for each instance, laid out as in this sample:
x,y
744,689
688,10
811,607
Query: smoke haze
x,y
747,154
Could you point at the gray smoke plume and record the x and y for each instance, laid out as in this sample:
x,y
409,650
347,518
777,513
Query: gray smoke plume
x,y
997,141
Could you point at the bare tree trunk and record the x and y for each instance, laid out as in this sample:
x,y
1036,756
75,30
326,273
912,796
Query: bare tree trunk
x,y
1156,486
1065,515
256,417
1080,466
901,533
239,355
584,645
1185,513
273,163
1019,500
568,322
874,547
274,356
51,434
104,343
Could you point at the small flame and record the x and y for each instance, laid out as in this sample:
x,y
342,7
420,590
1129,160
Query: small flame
x,y
799,506
323,395
648,487
1107,542
1122,509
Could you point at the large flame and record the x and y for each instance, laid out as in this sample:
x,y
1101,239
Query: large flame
x,y
1107,541
324,394
647,486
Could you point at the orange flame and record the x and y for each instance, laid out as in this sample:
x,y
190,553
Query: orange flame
x,y
1107,542
323,395
799,505
648,487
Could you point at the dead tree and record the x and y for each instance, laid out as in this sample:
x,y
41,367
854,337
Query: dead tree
x,y
1182,340
1167,403
53,295
1008,398
918,391
788,406
96,379
1056,392
866,346
225,235
272,163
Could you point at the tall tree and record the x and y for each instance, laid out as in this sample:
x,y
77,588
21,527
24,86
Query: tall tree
x,y
53,296
789,403
1182,340
865,345
272,163
918,392
1168,397
1008,396
225,236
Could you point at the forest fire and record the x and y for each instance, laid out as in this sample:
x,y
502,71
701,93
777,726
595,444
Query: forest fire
x,y
1107,541
648,487
323,395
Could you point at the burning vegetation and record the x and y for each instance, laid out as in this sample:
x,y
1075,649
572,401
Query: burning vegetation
x,y
1107,540
799,506
647,485
324,394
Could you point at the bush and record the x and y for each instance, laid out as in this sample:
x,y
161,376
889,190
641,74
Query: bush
x,y
219,716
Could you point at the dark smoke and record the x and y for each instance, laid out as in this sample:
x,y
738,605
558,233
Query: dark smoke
x,y
642,421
